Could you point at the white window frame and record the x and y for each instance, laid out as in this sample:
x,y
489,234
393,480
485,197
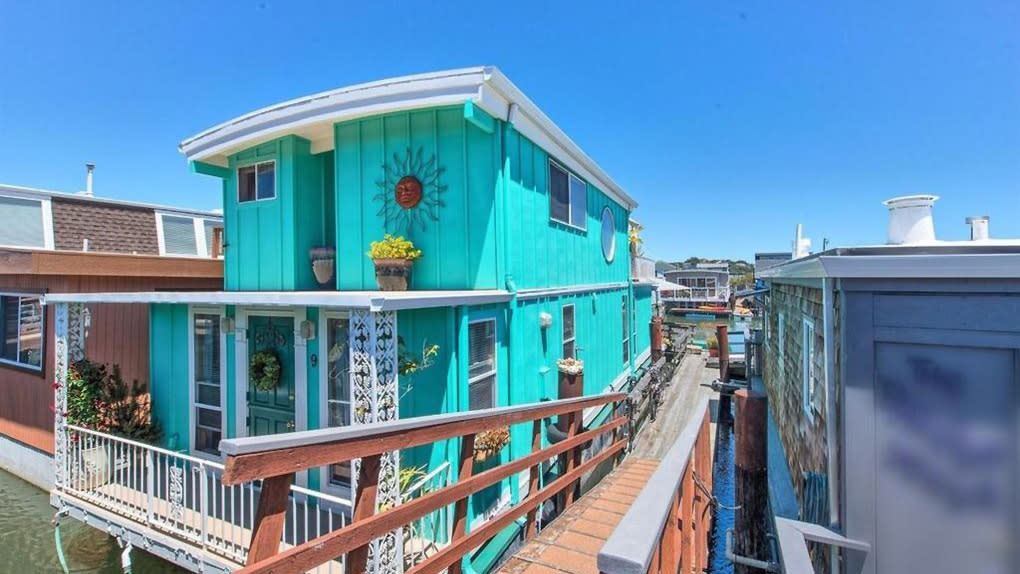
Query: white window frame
x,y
807,354
47,219
570,175
220,312
495,362
201,241
324,317
256,164
563,325
17,352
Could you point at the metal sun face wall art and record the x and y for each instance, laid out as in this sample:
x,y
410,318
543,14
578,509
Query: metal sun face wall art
x,y
410,190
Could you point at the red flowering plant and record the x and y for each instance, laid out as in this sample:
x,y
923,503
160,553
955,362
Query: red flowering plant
x,y
102,400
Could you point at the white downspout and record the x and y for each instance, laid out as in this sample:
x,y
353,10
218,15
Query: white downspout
x,y
831,426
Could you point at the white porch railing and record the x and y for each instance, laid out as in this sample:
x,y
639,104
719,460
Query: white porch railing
x,y
184,497
430,533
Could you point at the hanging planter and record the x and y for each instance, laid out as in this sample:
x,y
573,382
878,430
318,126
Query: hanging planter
x,y
489,443
323,263
264,370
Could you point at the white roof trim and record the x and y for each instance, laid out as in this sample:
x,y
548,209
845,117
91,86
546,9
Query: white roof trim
x,y
927,266
31,192
526,294
485,86
371,300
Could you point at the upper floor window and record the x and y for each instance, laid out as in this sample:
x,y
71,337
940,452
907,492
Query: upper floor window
x,y
21,324
568,197
482,364
809,385
256,182
185,235
23,222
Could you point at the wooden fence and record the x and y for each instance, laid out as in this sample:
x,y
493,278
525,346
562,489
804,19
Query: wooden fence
x,y
666,529
276,458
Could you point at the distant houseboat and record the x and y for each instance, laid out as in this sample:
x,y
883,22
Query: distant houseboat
x,y
709,290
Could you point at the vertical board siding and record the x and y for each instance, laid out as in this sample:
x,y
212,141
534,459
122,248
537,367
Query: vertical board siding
x,y
643,316
459,249
267,241
545,253
169,365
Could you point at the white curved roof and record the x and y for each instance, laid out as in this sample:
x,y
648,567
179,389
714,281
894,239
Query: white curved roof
x,y
312,117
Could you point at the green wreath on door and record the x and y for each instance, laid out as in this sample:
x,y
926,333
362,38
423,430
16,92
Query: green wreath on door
x,y
264,371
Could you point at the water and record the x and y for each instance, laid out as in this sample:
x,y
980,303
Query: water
x,y
26,538
704,328
724,488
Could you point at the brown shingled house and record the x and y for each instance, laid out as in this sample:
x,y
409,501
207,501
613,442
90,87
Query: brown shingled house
x,y
53,242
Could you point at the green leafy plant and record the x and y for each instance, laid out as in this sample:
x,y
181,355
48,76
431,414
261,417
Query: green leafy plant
x,y
409,364
265,370
713,343
391,247
102,400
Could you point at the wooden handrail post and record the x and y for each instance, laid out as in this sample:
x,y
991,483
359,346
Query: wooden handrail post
x,y
750,463
269,518
533,478
460,508
687,541
364,507
573,455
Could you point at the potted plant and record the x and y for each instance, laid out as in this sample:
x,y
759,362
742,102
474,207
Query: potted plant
x,y
713,347
489,443
393,258
323,263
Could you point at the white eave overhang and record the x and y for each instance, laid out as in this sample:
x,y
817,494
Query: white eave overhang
x,y
900,266
312,117
374,301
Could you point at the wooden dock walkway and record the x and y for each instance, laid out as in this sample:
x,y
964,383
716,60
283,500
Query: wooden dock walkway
x,y
571,543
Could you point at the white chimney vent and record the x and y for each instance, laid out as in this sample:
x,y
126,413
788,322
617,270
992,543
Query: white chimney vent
x,y
801,244
89,168
910,219
978,227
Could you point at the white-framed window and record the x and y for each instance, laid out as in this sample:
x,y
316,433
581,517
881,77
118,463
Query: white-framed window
x,y
482,364
608,235
626,331
569,332
809,385
208,392
335,391
256,182
22,319
186,235
568,197
26,222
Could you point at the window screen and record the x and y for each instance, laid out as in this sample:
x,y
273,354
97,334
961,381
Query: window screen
x,y
21,222
179,236
482,365
578,202
559,194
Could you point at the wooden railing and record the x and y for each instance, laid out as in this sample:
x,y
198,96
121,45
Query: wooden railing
x,y
667,527
276,458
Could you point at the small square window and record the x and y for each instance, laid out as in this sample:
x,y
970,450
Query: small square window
x,y
256,182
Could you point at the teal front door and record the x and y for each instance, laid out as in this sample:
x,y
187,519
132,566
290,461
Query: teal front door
x,y
271,411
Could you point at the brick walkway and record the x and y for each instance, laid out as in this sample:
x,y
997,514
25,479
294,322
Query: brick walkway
x,y
571,542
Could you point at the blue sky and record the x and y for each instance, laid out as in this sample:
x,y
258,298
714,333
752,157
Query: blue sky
x,y
728,122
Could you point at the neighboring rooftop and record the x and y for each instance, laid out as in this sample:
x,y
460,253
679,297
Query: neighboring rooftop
x,y
312,117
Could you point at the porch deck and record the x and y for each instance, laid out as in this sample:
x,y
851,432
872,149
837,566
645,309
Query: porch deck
x,y
571,543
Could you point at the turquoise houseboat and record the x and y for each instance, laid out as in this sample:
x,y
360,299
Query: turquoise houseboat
x,y
525,261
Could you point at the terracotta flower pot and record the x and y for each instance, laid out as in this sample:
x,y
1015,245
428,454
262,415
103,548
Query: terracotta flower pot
x,y
713,352
323,263
393,274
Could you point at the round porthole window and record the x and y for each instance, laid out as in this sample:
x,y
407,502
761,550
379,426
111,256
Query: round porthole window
x,y
608,235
